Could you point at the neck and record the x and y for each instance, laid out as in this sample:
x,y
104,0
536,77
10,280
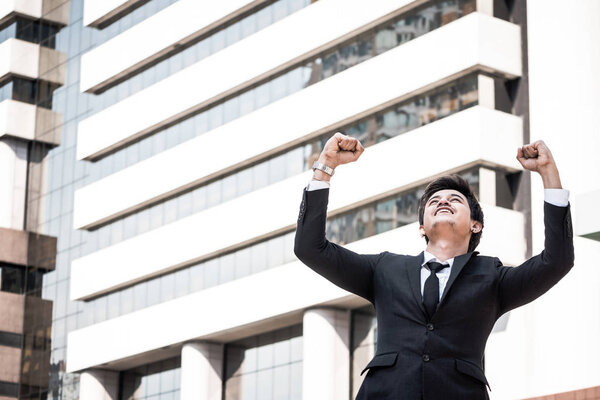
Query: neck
x,y
445,249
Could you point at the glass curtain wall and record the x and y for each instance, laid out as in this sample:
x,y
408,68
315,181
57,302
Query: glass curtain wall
x,y
156,381
265,367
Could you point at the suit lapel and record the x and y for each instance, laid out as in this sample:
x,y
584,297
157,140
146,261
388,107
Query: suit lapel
x,y
414,279
457,266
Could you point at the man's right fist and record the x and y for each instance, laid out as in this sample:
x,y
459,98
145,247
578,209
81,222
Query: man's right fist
x,y
340,149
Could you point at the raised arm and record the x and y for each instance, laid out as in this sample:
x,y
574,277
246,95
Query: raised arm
x,y
345,268
522,284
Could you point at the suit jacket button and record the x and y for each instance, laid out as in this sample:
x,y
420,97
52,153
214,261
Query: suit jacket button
x,y
426,357
429,327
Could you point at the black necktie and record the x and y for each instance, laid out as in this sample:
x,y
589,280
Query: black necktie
x,y
431,292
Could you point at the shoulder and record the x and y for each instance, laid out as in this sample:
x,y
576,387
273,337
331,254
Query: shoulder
x,y
398,260
483,261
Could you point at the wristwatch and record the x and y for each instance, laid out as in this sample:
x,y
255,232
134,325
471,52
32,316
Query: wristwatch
x,y
322,167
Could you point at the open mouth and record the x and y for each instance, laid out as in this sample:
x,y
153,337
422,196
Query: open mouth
x,y
443,210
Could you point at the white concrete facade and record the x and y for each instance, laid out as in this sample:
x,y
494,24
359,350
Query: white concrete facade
x,y
29,122
455,49
96,12
56,11
30,60
132,50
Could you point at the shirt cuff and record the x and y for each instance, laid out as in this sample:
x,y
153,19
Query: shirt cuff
x,y
316,185
557,197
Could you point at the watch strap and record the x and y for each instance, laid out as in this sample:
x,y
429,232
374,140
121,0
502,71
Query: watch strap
x,y
322,167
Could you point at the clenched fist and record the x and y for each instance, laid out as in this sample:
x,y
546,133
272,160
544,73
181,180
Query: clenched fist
x,y
537,157
340,149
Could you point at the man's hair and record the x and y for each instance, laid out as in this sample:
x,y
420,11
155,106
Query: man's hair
x,y
454,182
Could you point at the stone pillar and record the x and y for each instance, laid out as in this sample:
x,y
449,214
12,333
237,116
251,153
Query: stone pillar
x,y
326,363
99,384
201,371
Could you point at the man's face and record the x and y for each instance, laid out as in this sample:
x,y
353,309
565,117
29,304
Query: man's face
x,y
447,212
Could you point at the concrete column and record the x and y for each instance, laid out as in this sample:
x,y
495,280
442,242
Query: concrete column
x,y
486,91
98,384
486,7
487,186
201,371
326,363
13,182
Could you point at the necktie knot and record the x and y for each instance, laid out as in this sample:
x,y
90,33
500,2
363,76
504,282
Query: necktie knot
x,y
436,267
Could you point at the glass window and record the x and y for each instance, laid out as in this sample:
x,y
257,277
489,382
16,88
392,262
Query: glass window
x,y
167,287
153,291
211,273
254,369
227,268
182,282
199,199
140,296
156,381
114,301
197,278
12,279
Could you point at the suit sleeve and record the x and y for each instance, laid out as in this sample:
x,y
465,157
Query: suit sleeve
x,y
525,283
345,268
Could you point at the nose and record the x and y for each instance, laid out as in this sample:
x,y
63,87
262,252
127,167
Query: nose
x,y
443,201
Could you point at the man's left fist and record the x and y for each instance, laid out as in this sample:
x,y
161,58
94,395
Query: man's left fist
x,y
535,156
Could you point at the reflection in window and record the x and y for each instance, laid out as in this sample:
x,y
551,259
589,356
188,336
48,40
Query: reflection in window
x,y
157,381
32,91
265,367
20,280
40,32
387,124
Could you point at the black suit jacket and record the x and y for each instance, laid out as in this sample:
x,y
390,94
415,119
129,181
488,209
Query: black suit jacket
x,y
442,358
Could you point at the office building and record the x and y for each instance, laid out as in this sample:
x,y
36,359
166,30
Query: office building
x,y
31,68
187,135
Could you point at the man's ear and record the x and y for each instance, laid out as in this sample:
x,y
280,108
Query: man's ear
x,y
422,230
476,226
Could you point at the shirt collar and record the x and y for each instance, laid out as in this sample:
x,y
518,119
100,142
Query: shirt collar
x,y
427,256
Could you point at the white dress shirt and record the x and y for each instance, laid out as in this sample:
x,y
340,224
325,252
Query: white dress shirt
x,y
557,197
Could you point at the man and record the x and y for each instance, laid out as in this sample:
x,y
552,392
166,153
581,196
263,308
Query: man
x,y
436,310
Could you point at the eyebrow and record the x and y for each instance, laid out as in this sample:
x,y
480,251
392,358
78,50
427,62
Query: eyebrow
x,y
437,196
